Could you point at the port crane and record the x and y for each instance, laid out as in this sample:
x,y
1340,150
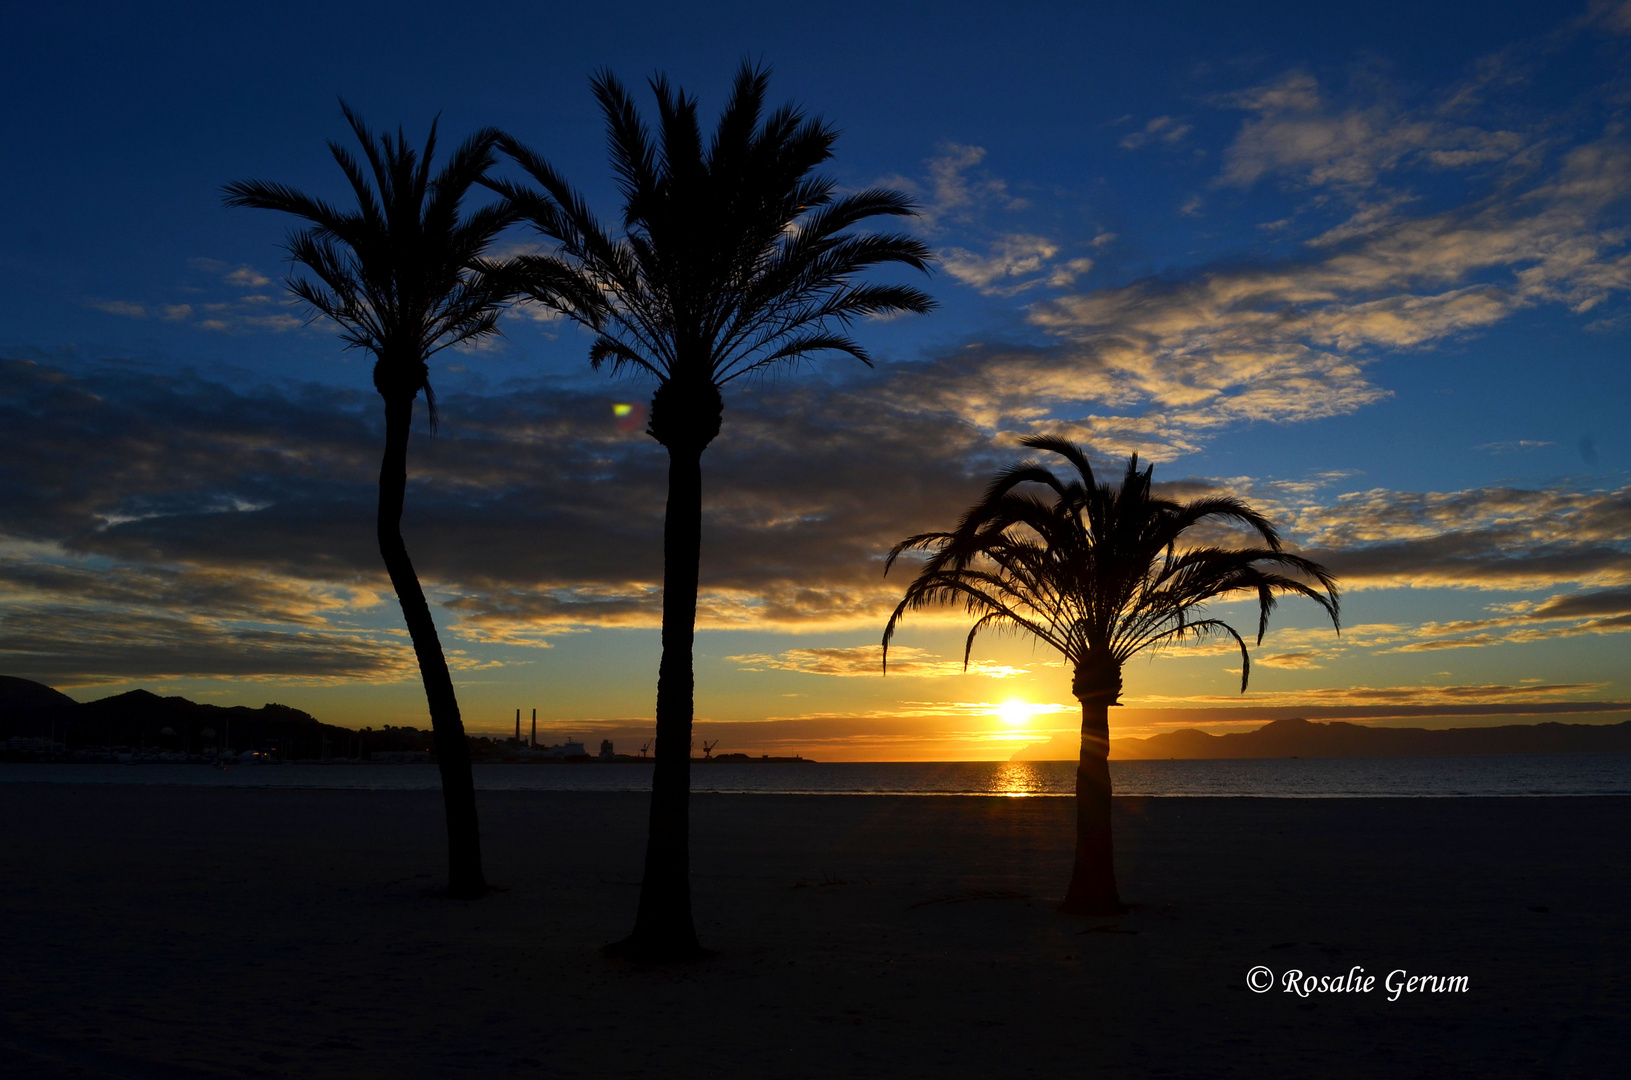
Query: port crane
x,y
708,749
644,748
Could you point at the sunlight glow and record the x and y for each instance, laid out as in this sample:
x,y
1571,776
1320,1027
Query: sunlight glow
x,y
1016,713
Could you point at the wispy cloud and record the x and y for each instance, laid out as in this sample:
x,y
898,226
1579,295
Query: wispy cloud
x,y
957,188
1014,264
960,197
866,660
1162,129
232,302
118,307
1175,361
1300,136
79,621
1469,697
1487,538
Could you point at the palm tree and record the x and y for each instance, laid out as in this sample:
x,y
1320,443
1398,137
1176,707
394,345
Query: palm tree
x,y
1098,573
401,276
734,257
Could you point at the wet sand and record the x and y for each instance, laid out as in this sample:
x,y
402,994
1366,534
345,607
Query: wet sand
x,y
183,932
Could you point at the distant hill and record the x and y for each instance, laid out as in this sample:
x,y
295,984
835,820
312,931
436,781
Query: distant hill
x,y
1305,738
141,718
22,695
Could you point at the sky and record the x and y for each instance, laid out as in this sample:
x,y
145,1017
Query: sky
x,y
1367,266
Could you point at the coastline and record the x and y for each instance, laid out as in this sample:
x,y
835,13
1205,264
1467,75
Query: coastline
x,y
265,932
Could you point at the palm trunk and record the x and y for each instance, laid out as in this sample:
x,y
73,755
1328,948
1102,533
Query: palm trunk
x,y
464,876
663,928
1093,879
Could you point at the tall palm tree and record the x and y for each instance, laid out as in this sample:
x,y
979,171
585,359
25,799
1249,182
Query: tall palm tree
x,y
733,257
401,276
1100,573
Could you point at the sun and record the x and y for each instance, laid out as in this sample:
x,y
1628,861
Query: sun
x,y
1015,713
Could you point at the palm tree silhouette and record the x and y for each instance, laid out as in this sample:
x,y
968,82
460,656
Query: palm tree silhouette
x,y
1099,574
734,256
401,276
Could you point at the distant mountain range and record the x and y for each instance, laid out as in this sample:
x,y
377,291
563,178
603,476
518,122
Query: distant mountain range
x,y
1305,738
141,718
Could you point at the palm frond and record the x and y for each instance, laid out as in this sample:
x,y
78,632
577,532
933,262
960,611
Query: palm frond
x,y
733,255
402,275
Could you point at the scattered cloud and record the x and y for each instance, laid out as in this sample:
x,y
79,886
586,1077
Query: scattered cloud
x,y
1163,364
867,660
959,188
118,307
236,311
1290,660
1014,264
245,277
1417,700
958,193
75,622
1484,538
1299,135
234,517
1162,129
1612,15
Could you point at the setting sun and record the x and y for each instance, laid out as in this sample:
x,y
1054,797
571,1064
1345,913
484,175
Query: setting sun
x,y
1016,713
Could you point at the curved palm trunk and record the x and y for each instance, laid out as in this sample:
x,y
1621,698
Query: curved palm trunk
x,y
464,876
663,928
1092,888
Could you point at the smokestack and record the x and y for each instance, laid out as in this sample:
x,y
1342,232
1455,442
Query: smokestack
x,y
518,725
535,729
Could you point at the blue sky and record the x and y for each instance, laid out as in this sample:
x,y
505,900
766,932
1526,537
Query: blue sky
x,y
1369,268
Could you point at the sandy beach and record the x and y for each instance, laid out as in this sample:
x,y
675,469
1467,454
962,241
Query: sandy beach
x,y
175,932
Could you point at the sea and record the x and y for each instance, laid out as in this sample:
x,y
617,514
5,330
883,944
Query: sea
x,y
1511,775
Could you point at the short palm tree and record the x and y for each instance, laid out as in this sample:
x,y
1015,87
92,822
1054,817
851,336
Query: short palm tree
x,y
402,278
734,256
1100,573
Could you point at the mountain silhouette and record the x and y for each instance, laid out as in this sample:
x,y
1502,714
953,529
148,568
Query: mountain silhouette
x,y
141,717
24,695
1306,738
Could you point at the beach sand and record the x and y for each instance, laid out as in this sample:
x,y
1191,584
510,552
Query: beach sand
x,y
178,932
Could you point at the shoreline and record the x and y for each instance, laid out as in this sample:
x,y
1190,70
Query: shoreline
x,y
1435,777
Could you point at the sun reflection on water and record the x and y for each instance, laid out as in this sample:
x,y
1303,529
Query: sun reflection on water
x,y
1017,780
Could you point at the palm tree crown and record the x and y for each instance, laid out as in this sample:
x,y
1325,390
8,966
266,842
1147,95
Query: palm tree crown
x,y
401,275
734,253
1097,572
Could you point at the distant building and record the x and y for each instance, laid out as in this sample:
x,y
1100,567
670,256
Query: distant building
x,y
567,751
606,753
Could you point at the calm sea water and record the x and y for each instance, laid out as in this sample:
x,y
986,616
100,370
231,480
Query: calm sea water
x,y
1298,778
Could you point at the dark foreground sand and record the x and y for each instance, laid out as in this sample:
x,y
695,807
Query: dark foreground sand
x,y
186,933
